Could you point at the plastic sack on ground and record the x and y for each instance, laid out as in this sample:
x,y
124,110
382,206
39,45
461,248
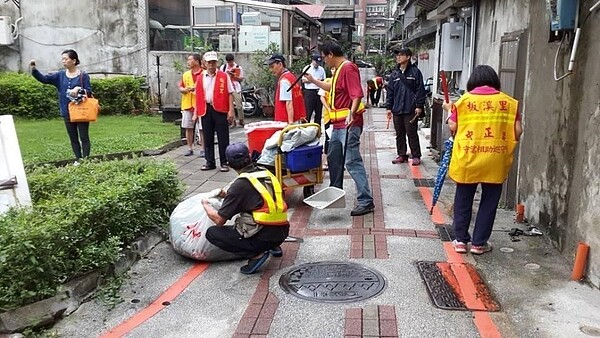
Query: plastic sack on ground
x,y
187,229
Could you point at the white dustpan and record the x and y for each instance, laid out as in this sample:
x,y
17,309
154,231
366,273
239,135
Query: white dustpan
x,y
330,197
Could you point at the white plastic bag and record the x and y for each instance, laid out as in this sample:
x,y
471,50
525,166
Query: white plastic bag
x,y
187,229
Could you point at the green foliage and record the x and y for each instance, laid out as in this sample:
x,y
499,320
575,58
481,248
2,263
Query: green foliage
x,y
108,294
262,77
382,63
196,44
121,95
23,96
81,218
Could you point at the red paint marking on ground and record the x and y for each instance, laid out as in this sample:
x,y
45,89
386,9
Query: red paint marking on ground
x,y
482,320
168,296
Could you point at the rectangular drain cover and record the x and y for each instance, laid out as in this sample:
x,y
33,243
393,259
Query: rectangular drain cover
x,y
442,295
424,182
456,286
446,232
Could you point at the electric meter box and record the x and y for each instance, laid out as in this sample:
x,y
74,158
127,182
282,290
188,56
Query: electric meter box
x,y
562,14
451,51
6,34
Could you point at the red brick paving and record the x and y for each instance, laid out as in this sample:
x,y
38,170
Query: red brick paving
x,y
372,321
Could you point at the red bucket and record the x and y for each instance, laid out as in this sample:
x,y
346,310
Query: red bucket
x,y
259,132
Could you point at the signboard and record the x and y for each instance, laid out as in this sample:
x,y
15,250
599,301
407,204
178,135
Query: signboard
x,y
14,190
253,38
225,43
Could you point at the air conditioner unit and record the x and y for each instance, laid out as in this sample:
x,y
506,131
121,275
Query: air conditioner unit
x,y
6,31
336,30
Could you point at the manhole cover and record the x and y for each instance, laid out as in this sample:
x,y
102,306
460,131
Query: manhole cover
x,y
332,282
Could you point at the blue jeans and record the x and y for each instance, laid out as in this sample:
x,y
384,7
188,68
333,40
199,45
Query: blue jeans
x,y
354,163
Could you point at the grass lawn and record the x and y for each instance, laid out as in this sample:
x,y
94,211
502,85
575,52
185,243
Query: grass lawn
x,y
47,140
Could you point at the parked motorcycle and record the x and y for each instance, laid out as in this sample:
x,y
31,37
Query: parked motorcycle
x,y
251,102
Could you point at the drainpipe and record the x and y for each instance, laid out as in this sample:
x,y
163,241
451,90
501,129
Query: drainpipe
x,y
472,50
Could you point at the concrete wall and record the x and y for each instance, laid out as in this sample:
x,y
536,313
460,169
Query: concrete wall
x,y
493,20
109,35
560,167
9,55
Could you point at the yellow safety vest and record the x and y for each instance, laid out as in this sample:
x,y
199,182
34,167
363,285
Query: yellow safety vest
x,y
337,115
274,211
485,138
325,114
188,100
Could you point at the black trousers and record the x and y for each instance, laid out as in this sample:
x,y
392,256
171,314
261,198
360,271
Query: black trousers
x,y
228,239
463,209
213,122
403,129
79,131
312,103
375,95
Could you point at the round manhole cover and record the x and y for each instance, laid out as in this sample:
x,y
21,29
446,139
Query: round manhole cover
x,y
332,282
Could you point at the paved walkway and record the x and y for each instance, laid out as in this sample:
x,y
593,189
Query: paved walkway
x,y
167,295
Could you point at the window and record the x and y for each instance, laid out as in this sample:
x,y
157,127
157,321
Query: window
x,y
219,15
224,14
204,16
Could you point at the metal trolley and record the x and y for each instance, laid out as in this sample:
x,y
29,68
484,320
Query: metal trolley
x,y
291,179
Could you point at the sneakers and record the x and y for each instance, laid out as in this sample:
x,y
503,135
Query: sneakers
x,y
189,153
481,249
459,247
361,210
399,159
416,161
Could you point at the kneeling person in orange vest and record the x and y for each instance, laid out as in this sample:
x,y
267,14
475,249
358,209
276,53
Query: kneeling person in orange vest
x,y
257,196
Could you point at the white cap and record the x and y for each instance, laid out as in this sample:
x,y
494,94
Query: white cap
x,y
211,56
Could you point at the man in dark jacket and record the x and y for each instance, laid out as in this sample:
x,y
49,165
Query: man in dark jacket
x,y
405,101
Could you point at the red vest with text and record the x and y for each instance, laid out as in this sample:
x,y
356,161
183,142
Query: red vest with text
x,y
220,94
297,100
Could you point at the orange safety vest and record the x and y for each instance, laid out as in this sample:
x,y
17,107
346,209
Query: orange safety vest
x,y
273,212
337,115
188,100
220,94
297,100
485,138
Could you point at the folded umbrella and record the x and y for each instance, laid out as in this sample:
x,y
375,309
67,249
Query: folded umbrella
x,y
442,171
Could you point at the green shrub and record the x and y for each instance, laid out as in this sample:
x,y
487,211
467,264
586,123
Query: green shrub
x,y
121,95
23,96
82,217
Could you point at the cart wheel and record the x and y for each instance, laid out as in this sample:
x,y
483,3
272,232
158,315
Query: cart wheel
x,y
309,191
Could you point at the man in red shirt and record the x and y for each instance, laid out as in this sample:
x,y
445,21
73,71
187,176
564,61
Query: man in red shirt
x,y
289,104
345,95
187,88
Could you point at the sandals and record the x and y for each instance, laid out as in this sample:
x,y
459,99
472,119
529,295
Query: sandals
x,y
207,167
254,264
224,168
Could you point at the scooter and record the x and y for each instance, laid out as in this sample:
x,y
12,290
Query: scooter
x,y
251,102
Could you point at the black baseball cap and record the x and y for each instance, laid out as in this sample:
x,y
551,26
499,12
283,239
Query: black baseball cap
x,y
236,152
317,58
403,51
275,58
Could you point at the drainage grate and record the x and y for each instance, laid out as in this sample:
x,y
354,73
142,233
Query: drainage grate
x,y
441,293
424,182
332,282
446,232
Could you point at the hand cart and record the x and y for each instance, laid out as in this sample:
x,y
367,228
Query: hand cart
x,y
307,177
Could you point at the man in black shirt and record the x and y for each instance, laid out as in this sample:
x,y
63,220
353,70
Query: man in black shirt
x,y
257,196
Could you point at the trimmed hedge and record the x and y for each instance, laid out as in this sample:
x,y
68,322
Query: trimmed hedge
x,y
22,95
82,216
